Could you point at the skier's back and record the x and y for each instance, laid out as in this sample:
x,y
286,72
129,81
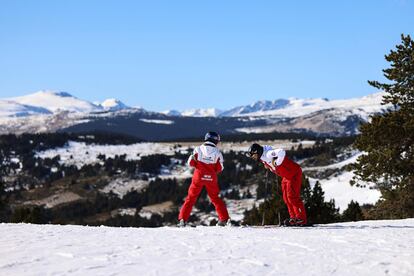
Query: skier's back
x,y
208,162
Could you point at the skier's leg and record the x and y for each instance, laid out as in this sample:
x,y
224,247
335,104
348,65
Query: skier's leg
x,y
193,192
213,193
285,190
295,199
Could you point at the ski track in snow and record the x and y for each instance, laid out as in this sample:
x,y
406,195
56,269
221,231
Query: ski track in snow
x,y
356,248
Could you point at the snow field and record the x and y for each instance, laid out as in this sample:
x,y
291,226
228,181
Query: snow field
x,y
357,248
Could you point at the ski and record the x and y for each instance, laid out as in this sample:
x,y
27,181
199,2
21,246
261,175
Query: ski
x,y
276,226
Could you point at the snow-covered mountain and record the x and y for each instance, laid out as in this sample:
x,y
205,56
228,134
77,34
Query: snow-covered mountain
x,y
260,106
171,112
319,116
43,101
196,112
10,108
113,105
200,112
56,101
294,107
353,248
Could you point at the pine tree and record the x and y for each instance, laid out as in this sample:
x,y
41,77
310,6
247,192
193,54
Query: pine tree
x,y
388,140
318,210
353,212
273,207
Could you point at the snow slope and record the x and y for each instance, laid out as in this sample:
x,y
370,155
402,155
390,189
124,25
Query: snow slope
x,y
152,121
358,248
338,186
13,109
340,189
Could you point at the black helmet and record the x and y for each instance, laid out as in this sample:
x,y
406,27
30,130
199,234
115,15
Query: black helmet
x,y
255,148
212,136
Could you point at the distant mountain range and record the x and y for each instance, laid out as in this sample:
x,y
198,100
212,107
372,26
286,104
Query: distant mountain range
x,y
198,112
292,107
48,102
60,111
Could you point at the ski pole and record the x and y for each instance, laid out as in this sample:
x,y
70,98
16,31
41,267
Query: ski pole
x,y
280,196
266,193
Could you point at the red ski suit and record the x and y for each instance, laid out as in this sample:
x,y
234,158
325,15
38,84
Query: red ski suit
x,y
291,174
208,162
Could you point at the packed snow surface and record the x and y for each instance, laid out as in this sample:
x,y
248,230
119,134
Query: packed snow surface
x,y
356,248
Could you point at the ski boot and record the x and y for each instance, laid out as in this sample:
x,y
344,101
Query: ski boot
x,y
289,222
181,223
224,223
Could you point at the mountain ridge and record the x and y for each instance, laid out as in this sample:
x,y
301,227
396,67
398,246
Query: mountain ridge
x,y
63,101
60,111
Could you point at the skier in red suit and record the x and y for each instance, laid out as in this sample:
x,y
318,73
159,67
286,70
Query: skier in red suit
x,y
276,161
208,162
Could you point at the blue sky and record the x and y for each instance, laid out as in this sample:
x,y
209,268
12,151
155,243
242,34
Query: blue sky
x,y
196,54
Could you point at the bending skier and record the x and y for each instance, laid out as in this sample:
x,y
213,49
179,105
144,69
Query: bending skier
x,y
208,162
276,161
